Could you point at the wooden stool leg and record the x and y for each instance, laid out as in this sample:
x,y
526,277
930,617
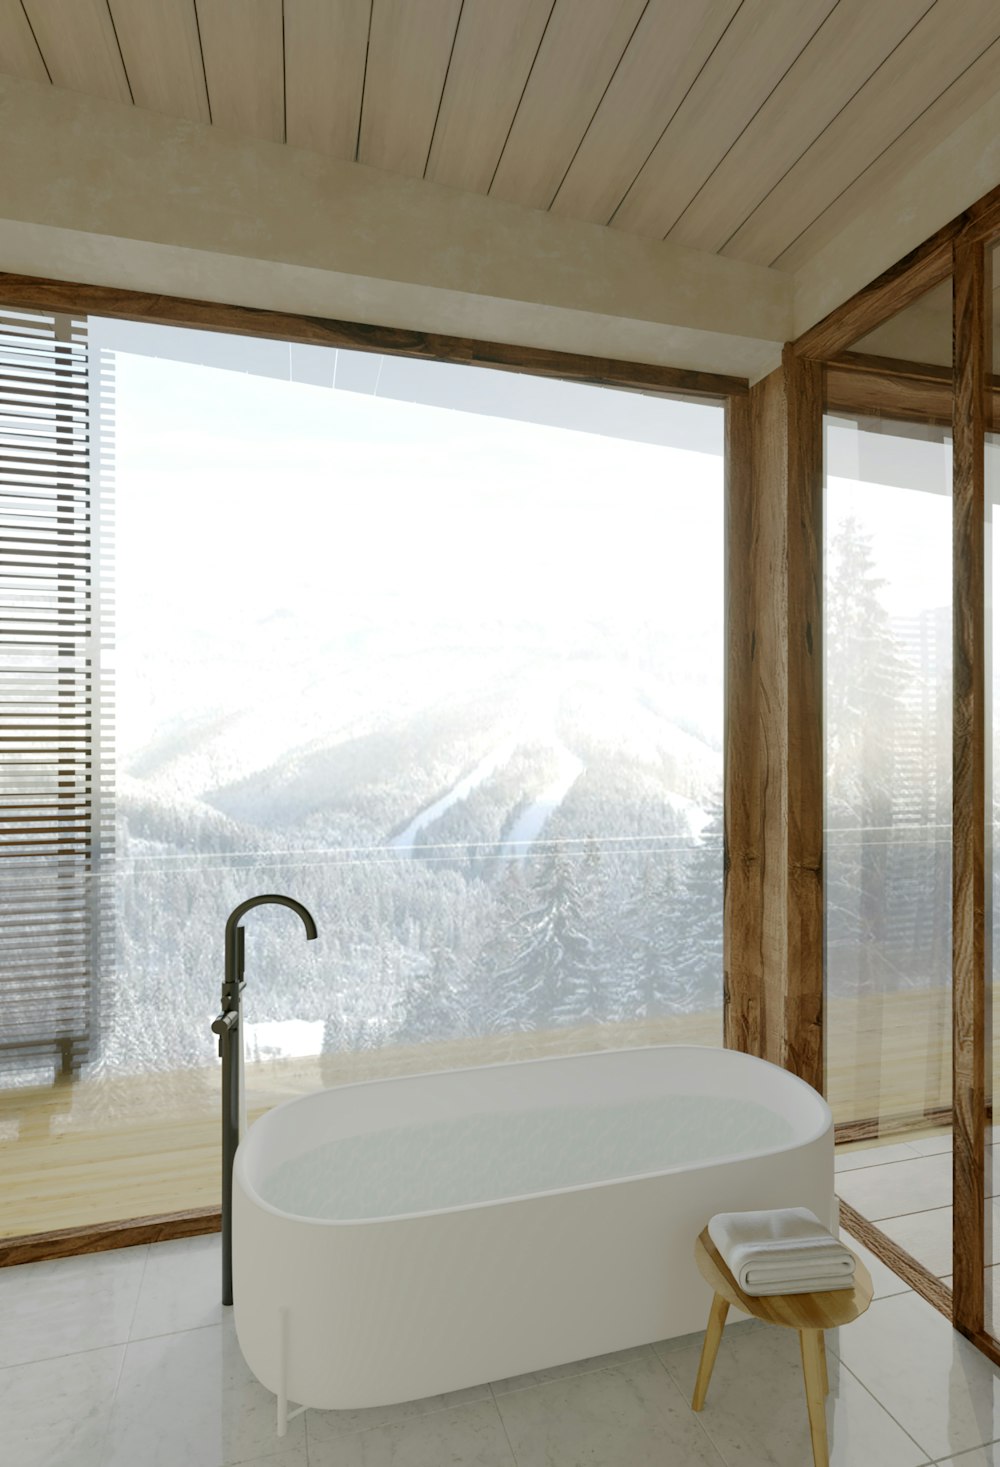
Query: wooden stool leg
x,y
709,1350
811,1342
822,1357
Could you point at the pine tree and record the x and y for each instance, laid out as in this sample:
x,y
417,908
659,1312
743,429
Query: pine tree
x,y
553,962
864,675
699,945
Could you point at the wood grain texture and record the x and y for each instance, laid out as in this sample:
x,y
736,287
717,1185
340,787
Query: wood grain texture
x,y
827,1309
934,53
804,995
69,1242
671,43
241,41
775,874
969,936
752,55
495,48
871,1128
19,53
79,47
879,394
919,1278
817,1385
710,1349
409,51
27,292
326,44
892,291
584,39
767,760
887,387
743,860
854,39
162,54
967,93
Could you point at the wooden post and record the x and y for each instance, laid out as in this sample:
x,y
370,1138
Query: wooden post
x,y
969,787
743,864
774,774
803,1027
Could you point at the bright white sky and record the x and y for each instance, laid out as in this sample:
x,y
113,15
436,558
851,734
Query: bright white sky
x,y
239,496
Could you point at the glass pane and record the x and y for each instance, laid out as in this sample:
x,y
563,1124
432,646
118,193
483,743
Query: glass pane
x,y
437,651
888,824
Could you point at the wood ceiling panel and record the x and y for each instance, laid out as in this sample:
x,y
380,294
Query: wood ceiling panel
x,y
972,90
763,41
326,42
855,39
241,42
162,54
408,54
495,46
19,53
584,42
666,52
79,46
935,52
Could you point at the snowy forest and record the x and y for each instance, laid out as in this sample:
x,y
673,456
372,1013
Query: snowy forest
x,y
476,866
465,881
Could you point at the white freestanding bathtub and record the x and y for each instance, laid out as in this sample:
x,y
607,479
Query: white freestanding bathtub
x,y
404,1237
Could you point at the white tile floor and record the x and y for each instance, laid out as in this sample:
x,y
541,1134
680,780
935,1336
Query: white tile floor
x,y
905,1187
126,1359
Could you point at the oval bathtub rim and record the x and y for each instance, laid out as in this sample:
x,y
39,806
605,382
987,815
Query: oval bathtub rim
x,y
239,1166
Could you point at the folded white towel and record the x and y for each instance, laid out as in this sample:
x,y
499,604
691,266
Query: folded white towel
x,y
784,1251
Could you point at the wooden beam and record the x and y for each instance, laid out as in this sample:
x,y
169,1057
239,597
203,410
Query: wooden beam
x,y
28,293
903,283
101,1237
880,395
743,864
909,1269
969,787
767,733
774,781
892,291
804,973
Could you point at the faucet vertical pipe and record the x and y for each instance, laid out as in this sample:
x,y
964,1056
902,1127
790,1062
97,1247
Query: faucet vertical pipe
x,y
230,1032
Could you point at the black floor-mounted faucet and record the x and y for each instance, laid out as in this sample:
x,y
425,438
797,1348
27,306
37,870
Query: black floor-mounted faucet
x,y
228,1029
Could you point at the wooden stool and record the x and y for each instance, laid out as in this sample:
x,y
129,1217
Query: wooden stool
x,y
810,1314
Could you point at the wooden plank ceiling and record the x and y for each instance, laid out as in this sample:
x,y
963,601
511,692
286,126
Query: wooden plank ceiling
x,y
750,128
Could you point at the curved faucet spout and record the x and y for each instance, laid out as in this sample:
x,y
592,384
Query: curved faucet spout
x,y
239,912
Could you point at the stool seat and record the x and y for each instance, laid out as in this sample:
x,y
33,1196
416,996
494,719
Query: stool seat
x,y
810,1314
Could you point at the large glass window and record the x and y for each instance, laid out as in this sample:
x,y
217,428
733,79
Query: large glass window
x,y
437,651
888,825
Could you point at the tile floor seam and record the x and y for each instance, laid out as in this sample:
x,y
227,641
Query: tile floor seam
x,y
569,1375
883,1407
699,1423
503,1426
164,1334
67,1355
138,1293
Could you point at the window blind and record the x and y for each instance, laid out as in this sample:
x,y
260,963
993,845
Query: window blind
x,y
56,768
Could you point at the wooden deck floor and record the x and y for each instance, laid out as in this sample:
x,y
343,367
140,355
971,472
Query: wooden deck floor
x,y
77,1153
